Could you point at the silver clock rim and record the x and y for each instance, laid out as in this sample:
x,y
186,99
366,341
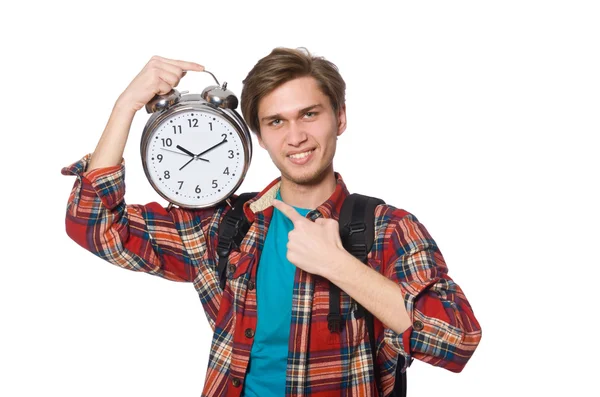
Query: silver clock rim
x,y
190,104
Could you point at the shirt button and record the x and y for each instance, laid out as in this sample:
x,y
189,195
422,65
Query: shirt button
x,y
418,325
249,333
231,269
236,382
251,285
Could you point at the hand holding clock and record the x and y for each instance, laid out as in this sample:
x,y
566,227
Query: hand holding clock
x,y
158,76
193,121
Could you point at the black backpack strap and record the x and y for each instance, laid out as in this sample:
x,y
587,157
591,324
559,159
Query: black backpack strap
x,y
232,230
357,224
400,384
357,230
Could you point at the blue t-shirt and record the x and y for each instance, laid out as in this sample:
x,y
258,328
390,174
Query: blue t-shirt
x,y
274,284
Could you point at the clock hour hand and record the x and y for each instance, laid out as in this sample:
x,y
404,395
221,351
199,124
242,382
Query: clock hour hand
x,y
184,150
213,147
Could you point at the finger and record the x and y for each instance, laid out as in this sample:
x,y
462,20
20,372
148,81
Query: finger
x,y
185,65
288,211
169,78
320,221
173,69
163,88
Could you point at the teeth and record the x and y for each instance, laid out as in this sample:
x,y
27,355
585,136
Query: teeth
x,y
300,155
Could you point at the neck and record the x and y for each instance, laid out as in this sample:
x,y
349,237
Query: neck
x,y
308,196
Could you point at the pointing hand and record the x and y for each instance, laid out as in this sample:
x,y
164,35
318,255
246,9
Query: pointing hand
x,y
312,246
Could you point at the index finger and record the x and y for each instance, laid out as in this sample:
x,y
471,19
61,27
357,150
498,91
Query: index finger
x,y
288,211
185,65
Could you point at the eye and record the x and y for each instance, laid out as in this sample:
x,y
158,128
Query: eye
x,y
275,122
310,114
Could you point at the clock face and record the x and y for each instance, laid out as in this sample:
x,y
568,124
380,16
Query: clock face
x,y
195,158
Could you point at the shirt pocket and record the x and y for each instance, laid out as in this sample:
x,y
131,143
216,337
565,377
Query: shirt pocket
x,y
239,268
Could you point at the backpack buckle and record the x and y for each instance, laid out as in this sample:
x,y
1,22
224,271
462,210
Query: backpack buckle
x,y
233,221
359,250
354,227
224,247
334,322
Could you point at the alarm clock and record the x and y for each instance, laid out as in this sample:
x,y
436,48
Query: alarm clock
x,y
196,149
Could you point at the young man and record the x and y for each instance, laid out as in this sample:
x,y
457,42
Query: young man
x,y
271,334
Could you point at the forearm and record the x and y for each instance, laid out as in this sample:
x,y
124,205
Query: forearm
x,y
110,147
379,295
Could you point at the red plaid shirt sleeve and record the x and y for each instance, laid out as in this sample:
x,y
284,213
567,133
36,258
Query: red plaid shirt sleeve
x,y
146,238
445,331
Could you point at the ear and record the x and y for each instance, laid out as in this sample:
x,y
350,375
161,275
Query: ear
x,y
341,120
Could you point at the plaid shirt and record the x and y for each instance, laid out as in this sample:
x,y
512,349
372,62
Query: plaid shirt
x,y
180,245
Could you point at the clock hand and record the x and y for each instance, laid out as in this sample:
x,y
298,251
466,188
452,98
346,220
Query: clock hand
x,y
211,148
192,159
197,156
183,166
184,150
183,154
191,154
173,151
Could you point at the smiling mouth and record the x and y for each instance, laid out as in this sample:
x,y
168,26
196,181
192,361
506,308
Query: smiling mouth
x,y
302,155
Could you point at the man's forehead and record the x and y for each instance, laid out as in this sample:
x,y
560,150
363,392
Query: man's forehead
x,y
291,97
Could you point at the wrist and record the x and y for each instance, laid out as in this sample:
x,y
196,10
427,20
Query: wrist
x,y
124,107
338,265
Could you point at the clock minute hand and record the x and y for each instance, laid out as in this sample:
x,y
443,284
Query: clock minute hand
x,y
211,148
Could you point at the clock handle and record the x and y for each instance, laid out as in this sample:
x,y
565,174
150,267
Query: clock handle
x,y
213,76
161,102
217,95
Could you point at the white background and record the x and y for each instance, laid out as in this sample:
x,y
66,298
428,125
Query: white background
x,y
479,117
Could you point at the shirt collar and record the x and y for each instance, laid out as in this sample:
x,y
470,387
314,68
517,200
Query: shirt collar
x,y
263,201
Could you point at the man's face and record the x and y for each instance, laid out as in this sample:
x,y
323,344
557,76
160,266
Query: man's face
x,y
299,129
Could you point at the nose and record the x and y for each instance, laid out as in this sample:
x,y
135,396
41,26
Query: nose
x,y
296,134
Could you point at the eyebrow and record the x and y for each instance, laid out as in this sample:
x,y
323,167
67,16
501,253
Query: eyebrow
x,y
301,111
